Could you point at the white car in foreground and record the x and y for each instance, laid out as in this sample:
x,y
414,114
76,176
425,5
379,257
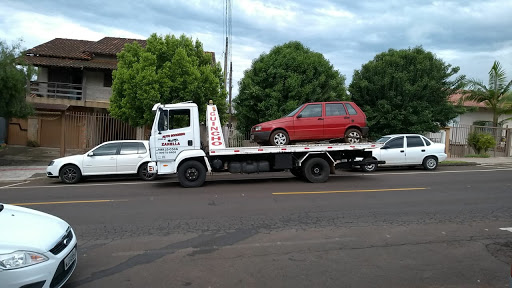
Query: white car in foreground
x,y
407,150
36,249
109,158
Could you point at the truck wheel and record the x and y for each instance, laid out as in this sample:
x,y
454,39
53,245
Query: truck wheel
x,y
279,137
191,174
353,136
70,174
144,174
297,172
430,163
316,170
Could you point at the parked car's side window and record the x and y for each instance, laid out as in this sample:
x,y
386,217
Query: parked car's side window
x,y
414,141
314,110
427,141
397,142
335,109
128,148
142,149
350,109
179,118
106,150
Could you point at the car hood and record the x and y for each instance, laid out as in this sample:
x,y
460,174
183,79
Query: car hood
x,y
277,122
27,229
68,159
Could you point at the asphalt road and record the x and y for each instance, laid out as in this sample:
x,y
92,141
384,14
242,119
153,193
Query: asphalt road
x,y
393,228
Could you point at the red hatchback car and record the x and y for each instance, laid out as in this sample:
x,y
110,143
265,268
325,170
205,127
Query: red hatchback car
x,y
314,121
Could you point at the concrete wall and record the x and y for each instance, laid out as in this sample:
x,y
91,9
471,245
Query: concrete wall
x,y
33,129
94,87
42,74
483,115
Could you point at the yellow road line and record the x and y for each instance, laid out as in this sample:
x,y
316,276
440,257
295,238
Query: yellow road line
x,y
65,202
347,191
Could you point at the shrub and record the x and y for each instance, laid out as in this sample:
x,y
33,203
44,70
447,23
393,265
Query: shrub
x,y
481,142
32,143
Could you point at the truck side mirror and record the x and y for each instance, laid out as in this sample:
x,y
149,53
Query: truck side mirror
x,y
299,116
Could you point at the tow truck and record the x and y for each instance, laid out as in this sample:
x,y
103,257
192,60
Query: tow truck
x,y
176,148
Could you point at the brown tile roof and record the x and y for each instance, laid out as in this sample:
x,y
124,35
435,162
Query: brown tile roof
x,y
73,53
455,99
73,63
62,48
111,45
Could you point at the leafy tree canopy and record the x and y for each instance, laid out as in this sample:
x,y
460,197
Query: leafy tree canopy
x,y
406,91
13,82
278,82
167,70
496,95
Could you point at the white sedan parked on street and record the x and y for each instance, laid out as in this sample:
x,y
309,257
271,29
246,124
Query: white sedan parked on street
x,y
407,150
36,249
109,158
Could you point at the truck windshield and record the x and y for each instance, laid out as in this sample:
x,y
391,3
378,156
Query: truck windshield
x,y
295,111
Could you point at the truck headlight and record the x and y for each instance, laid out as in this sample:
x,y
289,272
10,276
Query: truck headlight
x,y
20,259
257,128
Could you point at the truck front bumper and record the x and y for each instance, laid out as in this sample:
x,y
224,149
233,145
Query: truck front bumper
x,y
152,167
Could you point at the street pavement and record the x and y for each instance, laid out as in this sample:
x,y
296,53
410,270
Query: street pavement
x,y
391,228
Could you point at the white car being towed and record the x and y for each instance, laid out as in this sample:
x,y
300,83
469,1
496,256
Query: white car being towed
x,y
407,150
36,249
109,158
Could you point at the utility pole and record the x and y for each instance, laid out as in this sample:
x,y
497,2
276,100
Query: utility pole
x,y
226,65
230,90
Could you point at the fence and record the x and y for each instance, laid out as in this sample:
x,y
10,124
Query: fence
x,y
86,130
237,139
459,147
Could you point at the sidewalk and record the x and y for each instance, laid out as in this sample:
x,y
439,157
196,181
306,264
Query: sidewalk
x,y
19,163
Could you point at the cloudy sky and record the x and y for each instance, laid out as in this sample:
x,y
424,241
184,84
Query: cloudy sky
x,y
466,33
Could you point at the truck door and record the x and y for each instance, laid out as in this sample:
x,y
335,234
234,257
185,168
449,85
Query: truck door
x,y
175,134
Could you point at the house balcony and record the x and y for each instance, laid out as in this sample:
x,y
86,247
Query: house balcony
x,y
64,93
56,93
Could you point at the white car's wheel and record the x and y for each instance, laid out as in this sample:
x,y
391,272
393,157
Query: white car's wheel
x,y
144,174
430,163
70,174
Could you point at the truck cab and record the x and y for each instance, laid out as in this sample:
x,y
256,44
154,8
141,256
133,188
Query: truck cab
x,y
174,136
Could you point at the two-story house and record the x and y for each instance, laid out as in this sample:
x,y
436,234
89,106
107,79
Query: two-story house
x,y
71,94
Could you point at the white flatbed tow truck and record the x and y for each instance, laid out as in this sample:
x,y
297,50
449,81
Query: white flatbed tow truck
x,y
175,147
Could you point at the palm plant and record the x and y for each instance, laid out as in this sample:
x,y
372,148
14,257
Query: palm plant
x,y
496,95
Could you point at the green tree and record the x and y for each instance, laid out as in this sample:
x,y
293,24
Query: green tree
x,y
278,82
13,82
496,95
406,91
167,70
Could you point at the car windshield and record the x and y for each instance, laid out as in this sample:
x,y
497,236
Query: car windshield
x,y
295,111
383,139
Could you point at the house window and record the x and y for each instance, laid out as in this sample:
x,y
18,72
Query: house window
x,y
107,79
